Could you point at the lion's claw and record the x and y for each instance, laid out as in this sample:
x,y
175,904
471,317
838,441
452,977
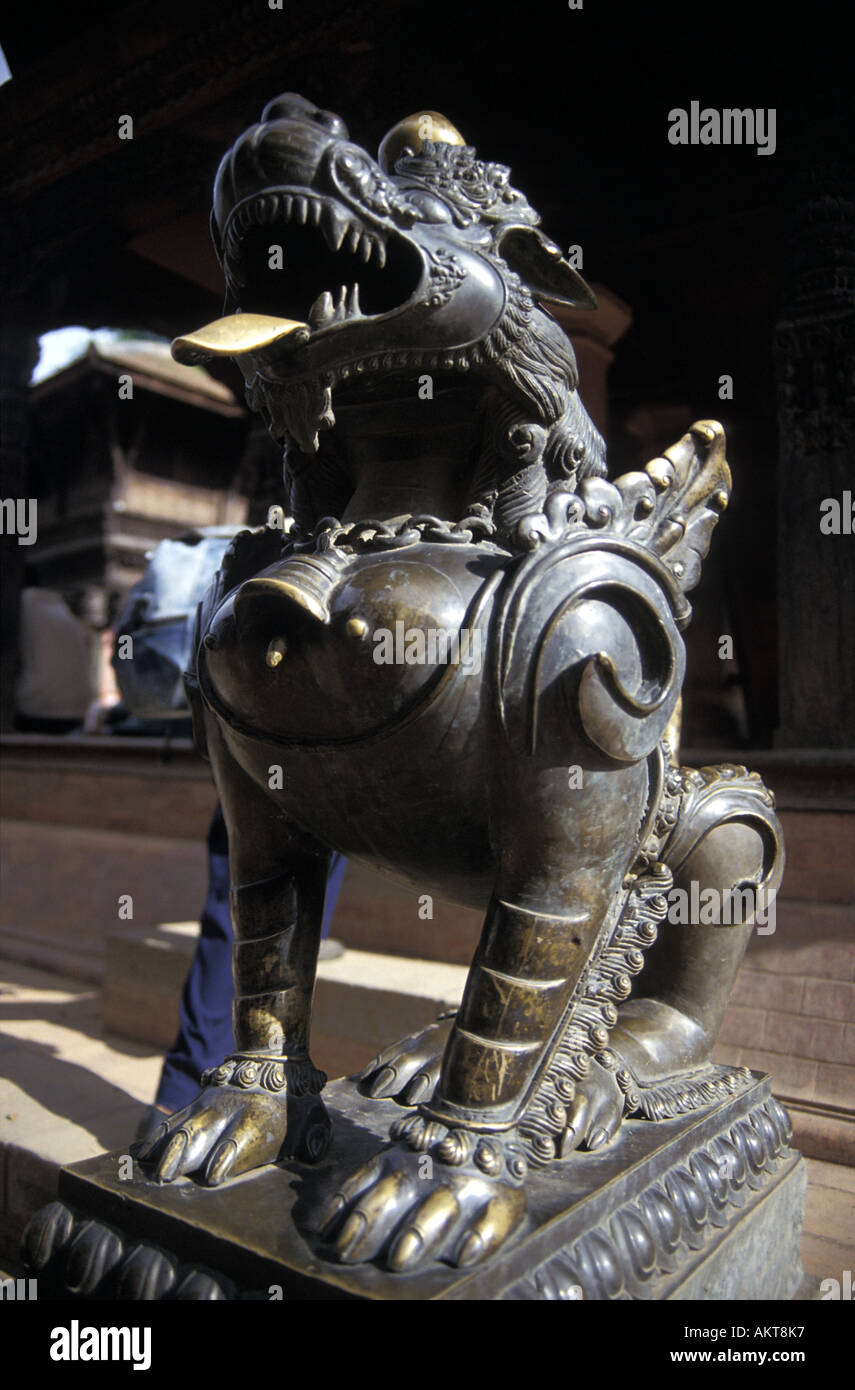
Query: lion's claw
x,y
422,1084
172,1156
437,1214
408,1070
380,1084
221,1163
594,1115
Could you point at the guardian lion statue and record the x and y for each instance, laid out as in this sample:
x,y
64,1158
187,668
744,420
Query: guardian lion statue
x,y
391,320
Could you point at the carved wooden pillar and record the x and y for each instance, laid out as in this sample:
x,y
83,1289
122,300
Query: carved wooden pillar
x,y
815,361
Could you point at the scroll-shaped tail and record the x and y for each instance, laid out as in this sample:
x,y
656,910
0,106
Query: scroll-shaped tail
x,y
693,482
671,508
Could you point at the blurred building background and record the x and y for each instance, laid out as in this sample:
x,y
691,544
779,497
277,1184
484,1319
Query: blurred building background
x,y
125,447
708,263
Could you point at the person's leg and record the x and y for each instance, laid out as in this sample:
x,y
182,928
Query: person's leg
x,y
330,948
205,1029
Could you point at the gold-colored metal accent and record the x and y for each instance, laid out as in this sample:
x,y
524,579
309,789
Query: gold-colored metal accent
x,y
276,651
356,627
297,593
412,131
232,336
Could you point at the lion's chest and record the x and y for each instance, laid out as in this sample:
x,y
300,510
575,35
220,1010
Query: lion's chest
x,y
371,730
394,629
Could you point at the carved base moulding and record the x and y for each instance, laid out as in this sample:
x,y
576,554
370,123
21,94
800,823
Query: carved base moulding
x,y
701,1206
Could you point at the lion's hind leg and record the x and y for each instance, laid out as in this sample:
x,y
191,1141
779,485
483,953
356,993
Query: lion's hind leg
x,y
725,852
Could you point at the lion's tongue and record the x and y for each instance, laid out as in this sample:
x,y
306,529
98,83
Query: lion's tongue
x,y
235,335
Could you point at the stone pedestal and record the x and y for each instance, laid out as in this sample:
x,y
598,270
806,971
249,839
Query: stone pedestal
x,y
706,1206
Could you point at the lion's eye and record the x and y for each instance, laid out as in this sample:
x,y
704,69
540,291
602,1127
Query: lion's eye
x,y
430,208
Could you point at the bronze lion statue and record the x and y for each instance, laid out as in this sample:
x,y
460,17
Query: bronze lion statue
x,y
442,477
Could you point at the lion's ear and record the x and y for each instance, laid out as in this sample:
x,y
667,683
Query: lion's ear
x,y
539,262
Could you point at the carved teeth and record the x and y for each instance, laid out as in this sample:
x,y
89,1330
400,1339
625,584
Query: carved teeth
x,y
322,311
313,212
325,310
334,226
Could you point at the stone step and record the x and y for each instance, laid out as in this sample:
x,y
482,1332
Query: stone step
x,y
66,1091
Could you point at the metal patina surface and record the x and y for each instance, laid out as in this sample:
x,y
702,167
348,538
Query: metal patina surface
x,y
454,657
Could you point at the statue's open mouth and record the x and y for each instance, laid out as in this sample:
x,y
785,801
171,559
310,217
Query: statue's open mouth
x,y
353,278
333,266
303,264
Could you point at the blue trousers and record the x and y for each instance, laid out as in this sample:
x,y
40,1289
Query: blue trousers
x,y
205,1029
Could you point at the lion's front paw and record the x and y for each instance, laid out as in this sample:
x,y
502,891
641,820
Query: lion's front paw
x,y
408,1206
408,1070
255,1112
